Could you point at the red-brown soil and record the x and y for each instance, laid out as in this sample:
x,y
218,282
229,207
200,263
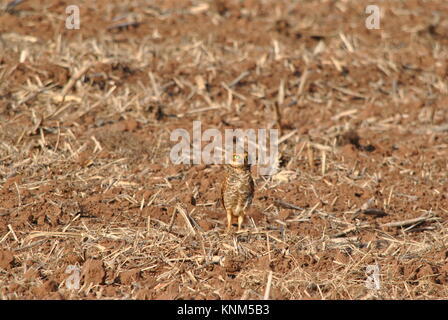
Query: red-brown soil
x,y
86,179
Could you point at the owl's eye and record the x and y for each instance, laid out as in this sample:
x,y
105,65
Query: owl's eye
x,y
236,157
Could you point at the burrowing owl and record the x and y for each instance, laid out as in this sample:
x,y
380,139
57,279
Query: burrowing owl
x,y
237,189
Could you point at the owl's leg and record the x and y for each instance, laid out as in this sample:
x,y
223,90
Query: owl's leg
x,y
229,220
239,212
240,220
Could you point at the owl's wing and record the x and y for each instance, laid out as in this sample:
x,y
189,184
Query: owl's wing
x,y
250,193
223,189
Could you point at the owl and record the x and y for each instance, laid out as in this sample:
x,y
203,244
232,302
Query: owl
x,y
238,189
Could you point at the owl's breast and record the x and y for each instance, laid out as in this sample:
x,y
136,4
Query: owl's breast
x,y
238,190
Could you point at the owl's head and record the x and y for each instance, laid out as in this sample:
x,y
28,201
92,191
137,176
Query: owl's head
x,y
240,161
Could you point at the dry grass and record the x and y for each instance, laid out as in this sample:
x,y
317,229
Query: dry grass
x,y
86,180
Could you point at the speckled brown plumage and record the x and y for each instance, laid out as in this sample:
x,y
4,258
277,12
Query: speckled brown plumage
x,y
237,189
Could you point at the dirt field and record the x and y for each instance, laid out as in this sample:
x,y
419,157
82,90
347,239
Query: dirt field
x,y
85,175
